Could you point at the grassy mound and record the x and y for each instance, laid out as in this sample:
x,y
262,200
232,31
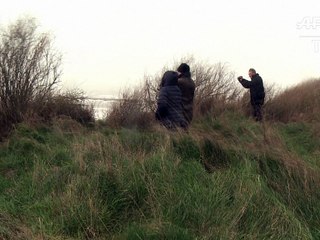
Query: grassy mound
x,y
228,178
297,103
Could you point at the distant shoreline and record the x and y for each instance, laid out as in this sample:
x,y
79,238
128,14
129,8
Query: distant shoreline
x,y
101,105
104,99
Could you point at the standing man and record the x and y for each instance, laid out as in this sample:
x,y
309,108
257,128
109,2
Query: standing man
x,y
187,87
257,93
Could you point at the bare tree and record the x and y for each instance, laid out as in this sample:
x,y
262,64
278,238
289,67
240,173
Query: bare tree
x,y
213,82
29,68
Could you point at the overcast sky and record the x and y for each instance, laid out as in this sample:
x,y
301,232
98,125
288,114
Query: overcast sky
x,y
111,44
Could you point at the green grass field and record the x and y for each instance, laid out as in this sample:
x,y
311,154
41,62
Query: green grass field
x,y
228,178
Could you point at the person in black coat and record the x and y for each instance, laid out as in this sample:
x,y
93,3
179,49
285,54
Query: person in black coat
x,y
169,104
257,93
187,87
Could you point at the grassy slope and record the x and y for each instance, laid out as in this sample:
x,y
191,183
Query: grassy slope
x,y
229,178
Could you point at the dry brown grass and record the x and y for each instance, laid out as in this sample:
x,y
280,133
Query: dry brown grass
x,y
11,229
298,103
69,104
130,111
66,111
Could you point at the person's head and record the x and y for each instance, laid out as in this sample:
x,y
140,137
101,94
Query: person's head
x,y
170,78
184,69
252,72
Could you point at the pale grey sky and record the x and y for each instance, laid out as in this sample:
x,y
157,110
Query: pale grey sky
x,y
111,44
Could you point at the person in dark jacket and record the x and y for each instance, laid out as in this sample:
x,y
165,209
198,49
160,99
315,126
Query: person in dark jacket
x,y
257,93
187,87
169,109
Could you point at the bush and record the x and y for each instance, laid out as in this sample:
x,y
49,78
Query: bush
x,y
130,111
69,104
297,103
215,85
216,91
30,69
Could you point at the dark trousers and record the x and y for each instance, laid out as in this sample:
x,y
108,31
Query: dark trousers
x,y
257,112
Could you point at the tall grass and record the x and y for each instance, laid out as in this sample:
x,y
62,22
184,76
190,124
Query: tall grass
x,y
131,111
229,178
297,103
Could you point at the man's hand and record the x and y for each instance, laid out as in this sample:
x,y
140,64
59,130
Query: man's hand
x,y
240,78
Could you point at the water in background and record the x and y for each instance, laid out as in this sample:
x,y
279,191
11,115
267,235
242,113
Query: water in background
x,y
101,104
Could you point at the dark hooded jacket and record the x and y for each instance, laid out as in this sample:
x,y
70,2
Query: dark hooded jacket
x,y
257,93
169,109
187,87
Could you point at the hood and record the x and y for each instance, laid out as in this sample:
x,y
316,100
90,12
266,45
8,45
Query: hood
x,y
170,78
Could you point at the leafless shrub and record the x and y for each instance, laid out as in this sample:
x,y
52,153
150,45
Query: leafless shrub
x,y
216,90
130,111
214,81
69,104
214,84
29,69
